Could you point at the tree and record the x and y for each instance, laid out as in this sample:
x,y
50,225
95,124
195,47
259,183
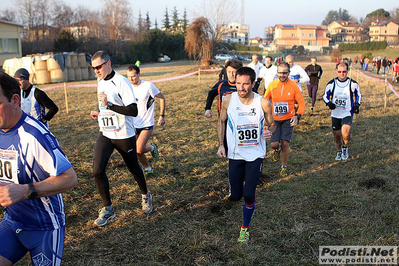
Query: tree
x,y
185,22
175,19
340,15
166,22
140,26
147,21
65,42
395,14
117,16
8,15
218,13
200,40
62,14
156,24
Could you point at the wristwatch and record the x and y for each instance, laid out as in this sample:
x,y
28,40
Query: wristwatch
x,y
299,116
109,105
32,191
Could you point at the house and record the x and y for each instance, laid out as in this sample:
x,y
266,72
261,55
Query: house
x,y
235,33
10,35
386,31
346,31
311,37
85,29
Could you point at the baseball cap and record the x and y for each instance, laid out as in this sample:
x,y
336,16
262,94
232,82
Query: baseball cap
x,y
22,73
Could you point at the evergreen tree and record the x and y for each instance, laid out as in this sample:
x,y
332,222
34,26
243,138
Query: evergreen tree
x,y
175,19
156,23
166,22
184,26
147,21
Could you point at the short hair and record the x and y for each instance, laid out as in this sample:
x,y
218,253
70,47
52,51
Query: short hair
x,y
101,54
313,57
246,71
134,67
284,64
271,58
8,85
22,73
343,63
234,63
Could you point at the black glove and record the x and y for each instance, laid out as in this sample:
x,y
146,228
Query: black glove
x,y
331,105
356,108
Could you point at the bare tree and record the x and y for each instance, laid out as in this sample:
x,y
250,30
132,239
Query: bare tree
x,y
218,13
27,15
200,40
9,15
117,15
63,15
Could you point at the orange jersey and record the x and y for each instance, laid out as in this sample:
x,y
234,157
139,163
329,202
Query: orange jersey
x,y
283,96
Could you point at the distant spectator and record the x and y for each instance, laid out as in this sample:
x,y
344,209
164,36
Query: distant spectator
x,y
138,63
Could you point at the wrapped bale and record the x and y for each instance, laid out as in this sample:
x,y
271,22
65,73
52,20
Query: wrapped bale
x,y
92,74
71,74
74,60
85,73
56,75
78,74
40,64
42,76
82,60
65,75
52,64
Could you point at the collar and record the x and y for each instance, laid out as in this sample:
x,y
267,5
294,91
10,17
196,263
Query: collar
x,y
110,75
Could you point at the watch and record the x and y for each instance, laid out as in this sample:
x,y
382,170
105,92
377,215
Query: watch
x,y
32,191
109,105
299,116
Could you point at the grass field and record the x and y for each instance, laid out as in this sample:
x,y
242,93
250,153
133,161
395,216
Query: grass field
x,y
321,202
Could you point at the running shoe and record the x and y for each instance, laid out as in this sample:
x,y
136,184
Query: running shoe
x,y
105,214
154,153
244,235
345,154
148,172
339,156
276,155
146,203
283,171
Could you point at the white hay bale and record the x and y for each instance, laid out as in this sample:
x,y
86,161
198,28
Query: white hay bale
x,y
65,75
92,74
82,60
71,74
78,74
74,60
85,73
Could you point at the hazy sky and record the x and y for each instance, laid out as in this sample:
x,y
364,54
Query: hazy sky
x,y
258,13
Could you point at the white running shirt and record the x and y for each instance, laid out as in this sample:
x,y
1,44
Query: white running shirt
x,y
145,98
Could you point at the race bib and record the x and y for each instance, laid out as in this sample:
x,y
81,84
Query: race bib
x,y
340,102
247,135
108,121
280,109
8,166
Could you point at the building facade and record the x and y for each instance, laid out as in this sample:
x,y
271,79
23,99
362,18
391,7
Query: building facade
x,y
385,31
311,37
235,33
10,35
346,31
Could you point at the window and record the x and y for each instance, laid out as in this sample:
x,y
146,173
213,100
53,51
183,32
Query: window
x,y
9,46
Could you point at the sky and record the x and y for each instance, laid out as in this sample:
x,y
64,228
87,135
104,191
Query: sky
x,y
258,14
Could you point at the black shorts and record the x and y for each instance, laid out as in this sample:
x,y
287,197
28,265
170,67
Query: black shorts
x,y
338,122
138,130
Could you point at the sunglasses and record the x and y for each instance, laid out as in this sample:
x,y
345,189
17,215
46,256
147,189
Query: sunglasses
x,y
342,72
283,73
99,67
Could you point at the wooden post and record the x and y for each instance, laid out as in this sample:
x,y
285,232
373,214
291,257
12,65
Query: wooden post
x,y
385,98
199,75
66,97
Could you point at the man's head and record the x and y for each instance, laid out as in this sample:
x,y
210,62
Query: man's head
x,y
255,59
268,60
22,76
101,64
313,61
245,80
290,60
10,101
342,71
283,71
133,75
231,68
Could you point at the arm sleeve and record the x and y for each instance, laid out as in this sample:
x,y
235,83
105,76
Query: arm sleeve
x,y
212,93
304,75
130,110
45,101
300,101
320,73
328,92
356,92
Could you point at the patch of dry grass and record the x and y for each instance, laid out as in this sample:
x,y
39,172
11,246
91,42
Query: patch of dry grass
x,y
321,202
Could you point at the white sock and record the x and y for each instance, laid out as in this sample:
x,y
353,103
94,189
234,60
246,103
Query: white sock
x,y
149,168
152,148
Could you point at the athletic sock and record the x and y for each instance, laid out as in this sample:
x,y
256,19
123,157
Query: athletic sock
x,y
152,148
248,213
149,168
